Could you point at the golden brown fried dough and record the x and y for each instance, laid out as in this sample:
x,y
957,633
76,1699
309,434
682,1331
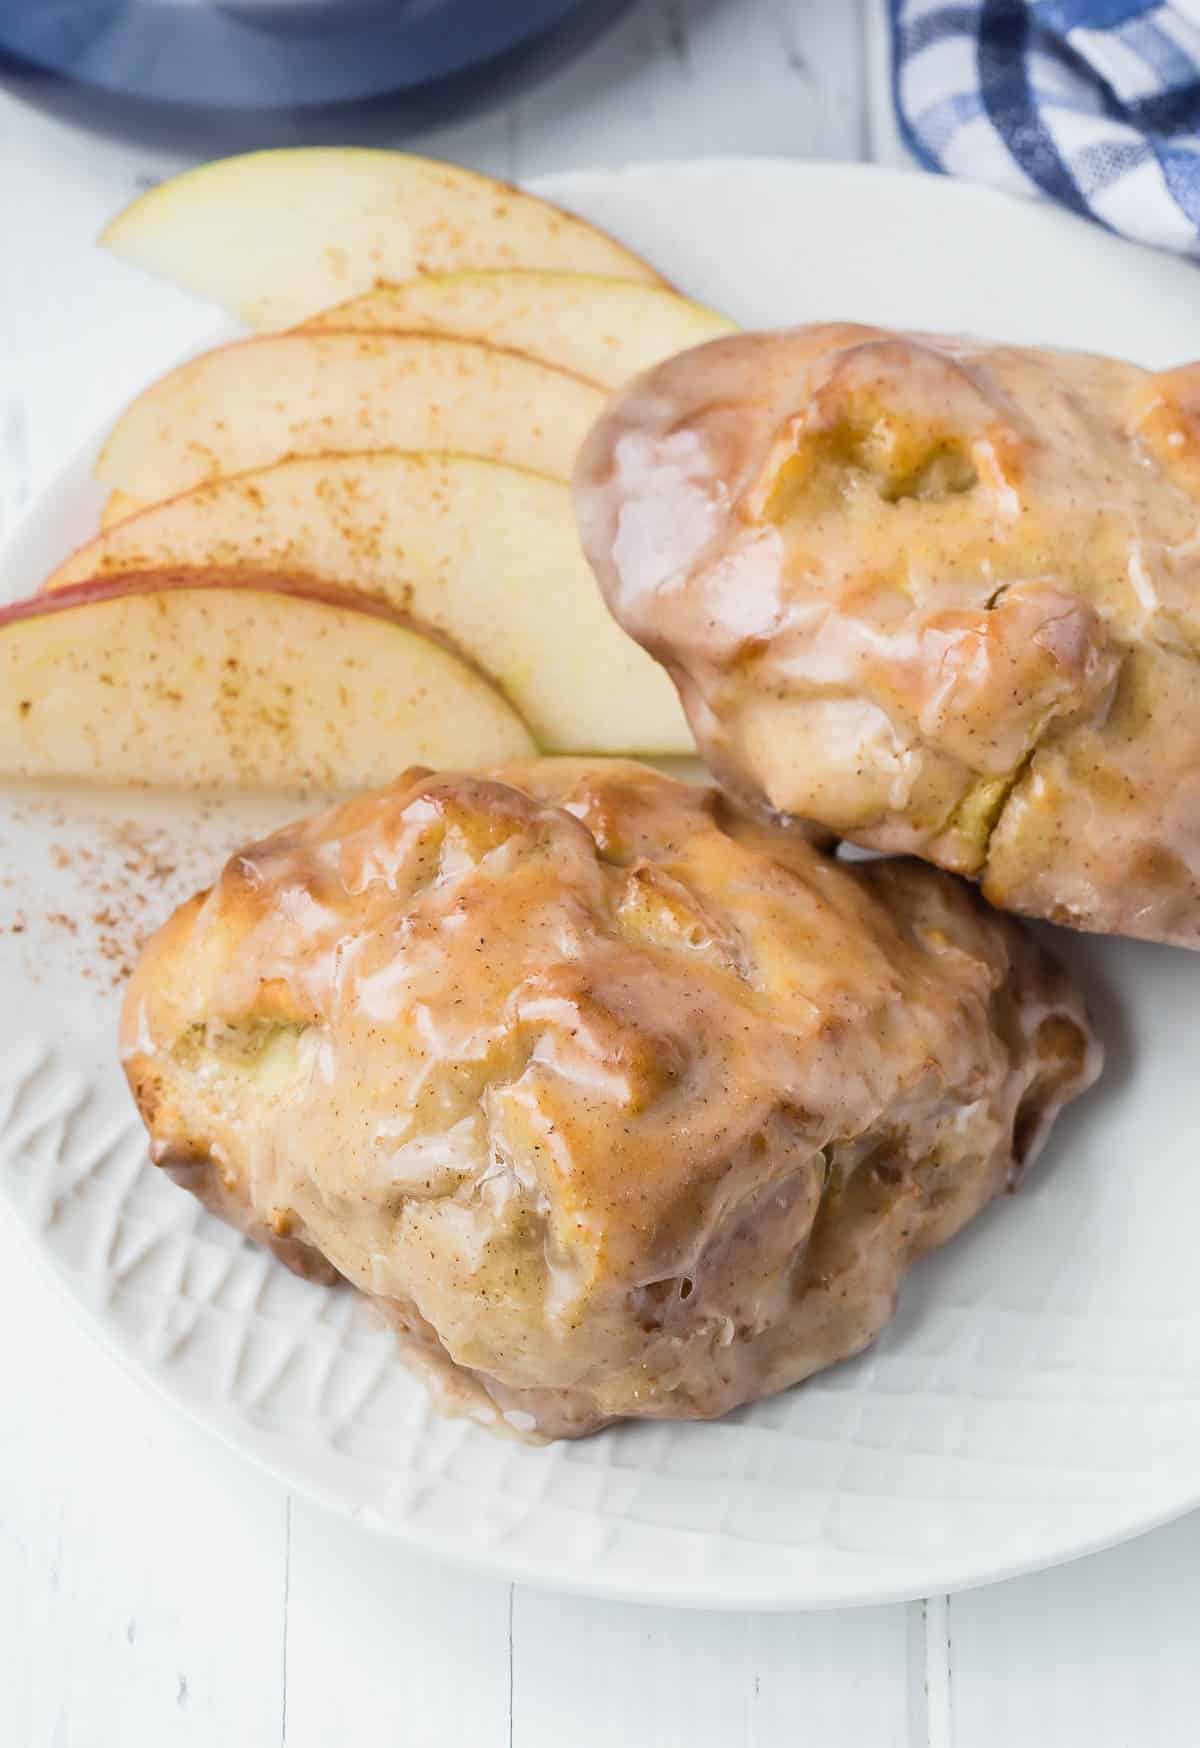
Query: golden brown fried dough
x,y
939,596
617,1101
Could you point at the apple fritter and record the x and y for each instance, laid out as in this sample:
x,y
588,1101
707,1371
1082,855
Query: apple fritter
x,y
939,596
618,1102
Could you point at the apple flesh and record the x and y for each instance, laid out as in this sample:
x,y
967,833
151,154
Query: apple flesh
x,y
607,330
235,680
487,554
118,507
276,236
258,401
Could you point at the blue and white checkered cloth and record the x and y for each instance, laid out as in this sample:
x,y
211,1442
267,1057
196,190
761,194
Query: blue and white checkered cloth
x,y
1095,103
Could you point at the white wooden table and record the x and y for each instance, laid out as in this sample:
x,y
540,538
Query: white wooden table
x,y
154,1589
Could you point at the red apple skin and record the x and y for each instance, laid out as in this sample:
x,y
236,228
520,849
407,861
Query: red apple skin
x,y
98,589
473,727
160,582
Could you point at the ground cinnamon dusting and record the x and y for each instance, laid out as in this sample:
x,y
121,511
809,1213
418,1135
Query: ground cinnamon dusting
x,y
81,880
111,882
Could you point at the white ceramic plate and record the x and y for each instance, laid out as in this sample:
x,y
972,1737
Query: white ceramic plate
x,y
1039,1392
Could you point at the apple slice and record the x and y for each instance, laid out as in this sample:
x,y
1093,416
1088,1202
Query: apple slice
x,y
487,554
237,680
606,330
277,236
257,401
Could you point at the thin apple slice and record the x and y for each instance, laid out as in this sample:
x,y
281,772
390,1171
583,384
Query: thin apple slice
x,y
487,554
259,401
276,236
606,330
235,680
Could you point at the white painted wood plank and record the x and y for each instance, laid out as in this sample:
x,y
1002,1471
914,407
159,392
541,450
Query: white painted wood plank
x,y
882,142
1100,1654
387,1648
680,78
935,1682
824,47
140,1562
592,1674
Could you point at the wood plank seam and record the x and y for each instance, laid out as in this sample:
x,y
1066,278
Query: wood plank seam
x,y
916,1630
287,1585
939,1720
511,1597
870,87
